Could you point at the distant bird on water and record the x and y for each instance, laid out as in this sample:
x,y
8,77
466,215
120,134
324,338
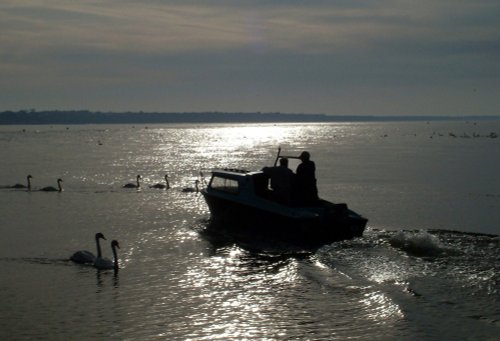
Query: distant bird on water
x,y
53,189
107,264
162,186
191,189
87,257
28,186
131,185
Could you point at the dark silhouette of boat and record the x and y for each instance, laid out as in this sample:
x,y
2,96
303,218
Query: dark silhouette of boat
x,y
241,202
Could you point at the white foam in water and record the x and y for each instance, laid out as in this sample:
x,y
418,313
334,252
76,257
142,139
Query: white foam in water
x,y
420,244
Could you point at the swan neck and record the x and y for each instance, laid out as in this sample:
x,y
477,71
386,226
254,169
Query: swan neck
x,y
99,252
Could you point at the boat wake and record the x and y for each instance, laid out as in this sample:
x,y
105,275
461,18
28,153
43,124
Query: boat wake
x,y
439,272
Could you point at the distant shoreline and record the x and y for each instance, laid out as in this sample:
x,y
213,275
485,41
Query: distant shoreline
x,y
89,117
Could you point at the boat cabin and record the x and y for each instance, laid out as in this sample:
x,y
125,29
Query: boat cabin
x,y
240,182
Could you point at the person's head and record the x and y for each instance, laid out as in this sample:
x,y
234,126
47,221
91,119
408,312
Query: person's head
x,y
284,162
304,156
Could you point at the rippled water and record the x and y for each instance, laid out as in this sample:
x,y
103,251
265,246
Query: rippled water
x,y
424,269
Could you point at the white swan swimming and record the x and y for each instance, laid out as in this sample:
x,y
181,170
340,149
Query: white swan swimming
x,y
107,264
53,189
85,257
131,185
28,178
162,186
191,189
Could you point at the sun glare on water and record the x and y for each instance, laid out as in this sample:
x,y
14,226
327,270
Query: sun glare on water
x,y
249,136
229,146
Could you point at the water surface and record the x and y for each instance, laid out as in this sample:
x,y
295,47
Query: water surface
x,y
426,268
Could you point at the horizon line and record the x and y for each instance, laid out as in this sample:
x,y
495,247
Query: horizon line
x,y
33,116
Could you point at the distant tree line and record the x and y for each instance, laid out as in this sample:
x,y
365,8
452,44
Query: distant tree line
x,y
88,117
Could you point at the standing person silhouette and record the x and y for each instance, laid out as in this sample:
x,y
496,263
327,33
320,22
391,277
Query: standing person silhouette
x,y
306,191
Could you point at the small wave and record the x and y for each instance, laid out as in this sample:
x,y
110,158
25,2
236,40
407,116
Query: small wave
x,y
38,260
421,244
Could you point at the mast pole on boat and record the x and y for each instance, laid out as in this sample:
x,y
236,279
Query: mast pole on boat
x,y
277,157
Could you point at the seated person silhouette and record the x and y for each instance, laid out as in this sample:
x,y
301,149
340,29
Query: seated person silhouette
x,y
282,179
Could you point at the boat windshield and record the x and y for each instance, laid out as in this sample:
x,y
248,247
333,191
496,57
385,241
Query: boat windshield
x,y
224,185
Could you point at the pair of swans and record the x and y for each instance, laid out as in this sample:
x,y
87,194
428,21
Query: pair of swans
x,y
87,257
166,185
44,189
137,184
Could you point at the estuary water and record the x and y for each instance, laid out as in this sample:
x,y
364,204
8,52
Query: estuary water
x,y
427,267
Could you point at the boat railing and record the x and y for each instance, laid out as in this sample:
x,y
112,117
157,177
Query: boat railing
x,y
235,170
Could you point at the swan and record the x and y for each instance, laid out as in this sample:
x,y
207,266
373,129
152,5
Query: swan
x,y
131,185
162,186
28,178
83,257
52,189
106,264
191,189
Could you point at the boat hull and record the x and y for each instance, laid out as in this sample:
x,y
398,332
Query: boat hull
x,y
323,224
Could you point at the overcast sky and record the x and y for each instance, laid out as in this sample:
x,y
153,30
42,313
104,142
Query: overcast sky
x,y
409,57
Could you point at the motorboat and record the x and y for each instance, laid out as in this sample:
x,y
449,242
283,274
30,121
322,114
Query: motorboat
x,y
241,201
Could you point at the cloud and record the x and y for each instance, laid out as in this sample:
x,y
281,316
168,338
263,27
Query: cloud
x,y
318,48
156,27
